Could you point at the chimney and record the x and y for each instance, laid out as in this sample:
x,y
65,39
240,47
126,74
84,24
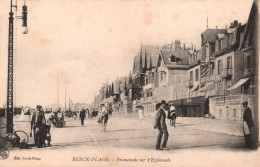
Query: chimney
x,y
235,23
177,44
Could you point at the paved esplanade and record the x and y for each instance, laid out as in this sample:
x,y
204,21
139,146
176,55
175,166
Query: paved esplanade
x,y
127,131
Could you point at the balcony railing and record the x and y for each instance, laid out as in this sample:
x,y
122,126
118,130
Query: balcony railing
x,y
149,86
226,73
207,79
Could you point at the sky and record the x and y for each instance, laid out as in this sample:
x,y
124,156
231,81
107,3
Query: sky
x,y
81,44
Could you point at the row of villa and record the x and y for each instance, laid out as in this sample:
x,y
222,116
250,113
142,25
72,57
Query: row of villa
x,y
214,79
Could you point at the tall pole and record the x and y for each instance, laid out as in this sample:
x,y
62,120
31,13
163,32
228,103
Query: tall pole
x,y
58,90
69,102
65,97
9,126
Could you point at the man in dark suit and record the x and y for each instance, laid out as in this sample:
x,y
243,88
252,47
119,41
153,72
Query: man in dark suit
x,y
160,124
248,123
82,115
38,123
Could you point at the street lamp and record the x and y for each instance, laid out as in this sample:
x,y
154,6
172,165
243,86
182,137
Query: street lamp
x,y
24,17
10,108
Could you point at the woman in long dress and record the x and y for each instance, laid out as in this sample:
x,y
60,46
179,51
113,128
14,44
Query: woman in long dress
x,y
140,112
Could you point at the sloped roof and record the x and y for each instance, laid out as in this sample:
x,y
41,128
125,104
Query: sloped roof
x,y
136,67
250,27
182,55
211,34
147,51
155,60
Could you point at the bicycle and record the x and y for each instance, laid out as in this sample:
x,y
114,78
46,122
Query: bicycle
x,y
15,138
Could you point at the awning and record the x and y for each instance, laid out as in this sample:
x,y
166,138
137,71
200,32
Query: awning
x,y
208,87
239,83
195,86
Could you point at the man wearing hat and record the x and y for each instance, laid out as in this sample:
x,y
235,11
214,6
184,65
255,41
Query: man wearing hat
x,y
160,124
248,123
38,122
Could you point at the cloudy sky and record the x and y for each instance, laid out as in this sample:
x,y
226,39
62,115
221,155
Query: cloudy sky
x,y
82,43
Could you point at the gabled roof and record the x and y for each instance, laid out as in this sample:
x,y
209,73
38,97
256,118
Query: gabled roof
x,y
211,34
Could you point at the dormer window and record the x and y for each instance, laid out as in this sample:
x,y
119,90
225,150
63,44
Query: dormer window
x,y
219,44
173,59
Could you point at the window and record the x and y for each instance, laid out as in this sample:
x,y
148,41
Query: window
x,y
229,62
235,113
212,70
246,88
228,86
212,49
164,76
219,87
161,77
219,66
173,59
197,74
191,75
220,113
248,62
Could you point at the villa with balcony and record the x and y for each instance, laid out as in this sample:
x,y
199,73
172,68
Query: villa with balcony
x,y
230,66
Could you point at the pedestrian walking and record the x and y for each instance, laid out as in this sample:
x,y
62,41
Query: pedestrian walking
x,y
140,112
103,117
160,124
110,111
172,115
38,123
82,116
248,123
89,115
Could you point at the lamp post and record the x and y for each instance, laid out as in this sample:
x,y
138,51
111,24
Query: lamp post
x,y
10,108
